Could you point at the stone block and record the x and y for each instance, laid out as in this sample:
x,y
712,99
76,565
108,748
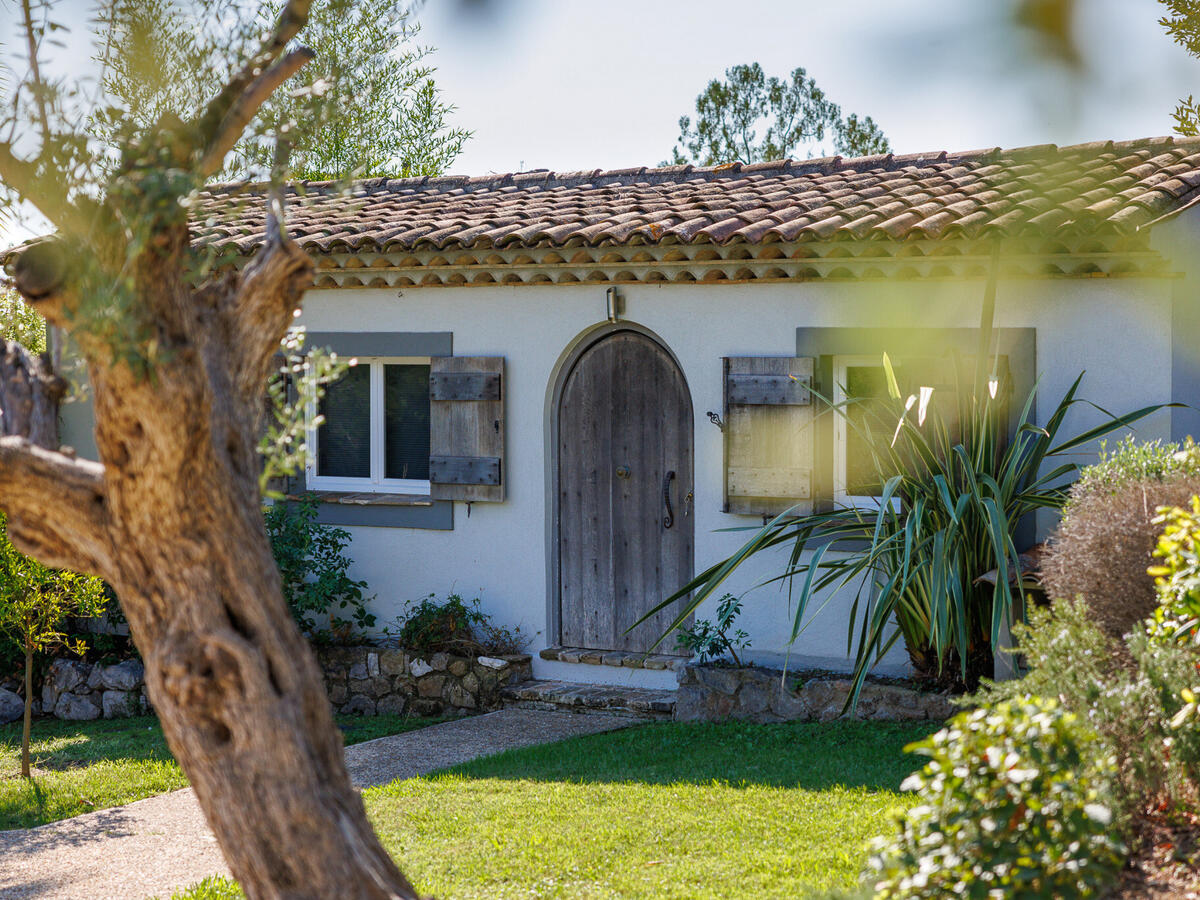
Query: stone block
x,y
461,698
427,707
459,667
431,686
493,663
338,694
124,676
788,706
393,662
359,705
550,653
76,708
364,686
470,683
720,679
391,705
119,704
95,681
68,674
570,655
439,661
633,661
358,671
372,664
655,662
591,657
613,659
12,707
49,695
419,667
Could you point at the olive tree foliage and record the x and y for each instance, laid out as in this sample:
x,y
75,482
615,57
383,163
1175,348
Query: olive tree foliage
x,y
1182,22
179,341
751,118
389,118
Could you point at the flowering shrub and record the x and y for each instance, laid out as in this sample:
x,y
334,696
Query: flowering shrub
x,y
1012,806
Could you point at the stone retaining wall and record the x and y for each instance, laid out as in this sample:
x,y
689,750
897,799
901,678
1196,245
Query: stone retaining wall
x,y
74,689
716,693
375,680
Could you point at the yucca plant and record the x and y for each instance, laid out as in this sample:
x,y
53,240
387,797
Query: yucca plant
x,y
954,488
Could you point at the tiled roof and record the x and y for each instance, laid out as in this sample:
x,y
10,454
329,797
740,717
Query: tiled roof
x,y
1102,186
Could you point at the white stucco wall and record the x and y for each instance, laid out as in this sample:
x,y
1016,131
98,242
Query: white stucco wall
x,y
1118,330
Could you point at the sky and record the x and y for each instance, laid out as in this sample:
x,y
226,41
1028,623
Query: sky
x,y
569,84
584,84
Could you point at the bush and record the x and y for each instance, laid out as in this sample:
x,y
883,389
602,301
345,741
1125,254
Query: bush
x,y
324,600
1071,659
1177,580
1103,546
711,640
455,626
1012,806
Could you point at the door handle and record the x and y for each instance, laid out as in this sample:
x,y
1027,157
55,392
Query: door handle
x,y
669,518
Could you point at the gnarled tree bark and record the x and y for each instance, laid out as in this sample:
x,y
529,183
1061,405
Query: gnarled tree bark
x,y
171,518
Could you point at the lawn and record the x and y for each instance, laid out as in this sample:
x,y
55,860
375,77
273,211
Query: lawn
x,y
85,766
659,811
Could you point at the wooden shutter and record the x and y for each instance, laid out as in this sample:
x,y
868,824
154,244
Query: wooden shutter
x,y
768,435
466,428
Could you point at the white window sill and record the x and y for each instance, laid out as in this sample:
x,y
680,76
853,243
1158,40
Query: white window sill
x,y
368,498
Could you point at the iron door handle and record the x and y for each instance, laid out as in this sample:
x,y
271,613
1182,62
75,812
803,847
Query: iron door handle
x,y
669,519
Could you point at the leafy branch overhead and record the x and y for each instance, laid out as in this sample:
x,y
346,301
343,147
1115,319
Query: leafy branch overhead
x,y
1182,23
751,118
367,105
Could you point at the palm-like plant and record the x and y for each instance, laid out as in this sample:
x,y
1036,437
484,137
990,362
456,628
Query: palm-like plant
x,y
954,489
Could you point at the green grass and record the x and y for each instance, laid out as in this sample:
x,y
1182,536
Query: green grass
x,y
661,811
85,766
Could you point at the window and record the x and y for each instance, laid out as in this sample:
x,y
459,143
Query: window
x,y
375,430
859,379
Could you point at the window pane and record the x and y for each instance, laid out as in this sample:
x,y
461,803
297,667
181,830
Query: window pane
x,y
344,440
866,425
406,422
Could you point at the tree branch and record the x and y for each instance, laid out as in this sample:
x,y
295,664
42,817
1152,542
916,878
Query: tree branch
x,y
246,106
270,290
214,123
40,276
56,506
29,395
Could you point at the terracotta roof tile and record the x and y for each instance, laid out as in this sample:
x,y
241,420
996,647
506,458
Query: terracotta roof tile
x,y
1045,188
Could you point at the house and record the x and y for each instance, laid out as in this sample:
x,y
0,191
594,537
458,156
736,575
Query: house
x,y
570,385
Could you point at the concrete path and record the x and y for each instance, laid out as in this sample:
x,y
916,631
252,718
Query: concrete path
x,y
159,845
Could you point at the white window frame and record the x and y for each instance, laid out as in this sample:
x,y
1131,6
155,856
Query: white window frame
x,y
376,483
841,436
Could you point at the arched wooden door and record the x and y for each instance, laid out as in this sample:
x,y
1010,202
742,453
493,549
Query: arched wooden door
x,y
625,523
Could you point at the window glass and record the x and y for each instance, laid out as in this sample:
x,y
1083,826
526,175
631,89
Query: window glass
x,y
406,421
866,423
344,440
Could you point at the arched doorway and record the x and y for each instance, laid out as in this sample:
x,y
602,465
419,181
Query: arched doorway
x,y
624,479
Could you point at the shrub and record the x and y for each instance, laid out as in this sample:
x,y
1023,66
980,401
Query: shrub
x,y
711,640
1070,659
455,625
324,600
1011,806
1177,580
1103,546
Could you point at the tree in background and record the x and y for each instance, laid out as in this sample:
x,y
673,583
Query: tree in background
x,y
389,119
790,115
178,349
34,602
1183,25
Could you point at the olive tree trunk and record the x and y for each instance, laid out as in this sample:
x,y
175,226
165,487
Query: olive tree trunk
x,y
171,515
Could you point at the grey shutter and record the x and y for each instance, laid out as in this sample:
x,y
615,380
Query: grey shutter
x,y
769,439
466,428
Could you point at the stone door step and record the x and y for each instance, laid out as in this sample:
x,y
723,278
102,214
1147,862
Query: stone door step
x,y
596,699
